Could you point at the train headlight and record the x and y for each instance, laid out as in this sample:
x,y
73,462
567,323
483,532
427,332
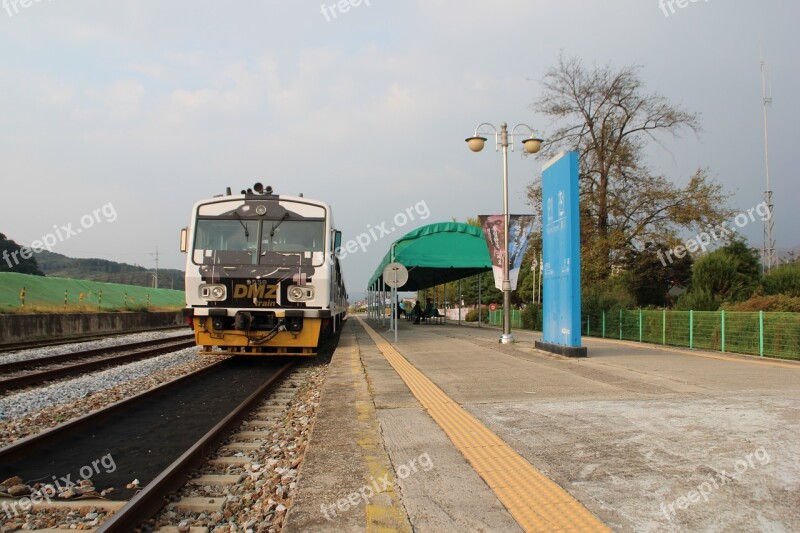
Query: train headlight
x,y
213,293
298,293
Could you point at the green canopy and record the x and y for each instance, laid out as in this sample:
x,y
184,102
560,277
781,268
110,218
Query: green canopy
x,y
438,253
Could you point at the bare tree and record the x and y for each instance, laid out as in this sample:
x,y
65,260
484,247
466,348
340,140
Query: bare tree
x,y
606,117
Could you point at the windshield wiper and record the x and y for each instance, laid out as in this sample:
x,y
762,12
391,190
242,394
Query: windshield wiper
x,y
246,232
284,217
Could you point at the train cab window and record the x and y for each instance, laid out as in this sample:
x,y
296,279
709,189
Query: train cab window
x,y
292,237
226,241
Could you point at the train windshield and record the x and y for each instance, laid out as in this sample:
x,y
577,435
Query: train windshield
x,y
226,241
236,241
292,236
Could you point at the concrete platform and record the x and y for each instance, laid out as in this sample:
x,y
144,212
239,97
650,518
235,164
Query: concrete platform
x,y
646,438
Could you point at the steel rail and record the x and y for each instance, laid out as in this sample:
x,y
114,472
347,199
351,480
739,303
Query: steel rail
x,y
152,498
41,343
74,356
22,447
71,370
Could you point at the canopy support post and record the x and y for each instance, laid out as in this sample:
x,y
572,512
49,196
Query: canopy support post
x,y
459,302
480,303
394,301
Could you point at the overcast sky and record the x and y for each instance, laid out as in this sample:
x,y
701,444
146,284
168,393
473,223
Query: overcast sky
x,y
152,105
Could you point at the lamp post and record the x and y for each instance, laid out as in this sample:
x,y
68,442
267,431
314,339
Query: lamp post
x,y
532,145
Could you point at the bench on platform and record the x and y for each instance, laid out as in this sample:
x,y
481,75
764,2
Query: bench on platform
x,y
431,315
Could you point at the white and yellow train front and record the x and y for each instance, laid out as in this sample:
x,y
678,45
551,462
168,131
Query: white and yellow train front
x,y
262,274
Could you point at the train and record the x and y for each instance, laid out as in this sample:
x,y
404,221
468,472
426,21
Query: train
x,y
263,276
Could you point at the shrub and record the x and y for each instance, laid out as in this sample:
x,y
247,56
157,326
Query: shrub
x,y
698,300
610,295
472,316
731,274
777,302
783,280
532,316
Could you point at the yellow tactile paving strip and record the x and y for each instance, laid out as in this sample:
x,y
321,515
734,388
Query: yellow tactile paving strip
x,y
535,501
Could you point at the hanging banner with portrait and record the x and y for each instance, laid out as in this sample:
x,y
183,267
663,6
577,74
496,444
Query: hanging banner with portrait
x,y
519,232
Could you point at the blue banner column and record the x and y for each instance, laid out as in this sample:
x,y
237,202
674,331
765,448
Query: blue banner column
x,y
561,331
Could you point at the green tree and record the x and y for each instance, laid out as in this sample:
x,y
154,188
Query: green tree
x,y
698,300
785,279
488,292
11,259
609,295
650,275
729,274
607,117
748,261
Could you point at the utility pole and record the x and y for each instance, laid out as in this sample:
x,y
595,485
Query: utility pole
x,y
155,279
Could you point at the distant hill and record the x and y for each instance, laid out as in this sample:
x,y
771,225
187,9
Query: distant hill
x,y
788,255
57,265
11,260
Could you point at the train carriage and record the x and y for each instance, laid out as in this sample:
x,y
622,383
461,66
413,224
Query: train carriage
x,y
262,274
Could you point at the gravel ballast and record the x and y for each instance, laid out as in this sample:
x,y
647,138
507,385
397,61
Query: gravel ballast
x,y
34,410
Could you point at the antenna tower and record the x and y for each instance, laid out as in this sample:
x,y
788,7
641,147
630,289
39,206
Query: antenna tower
x,y
155,279
769,259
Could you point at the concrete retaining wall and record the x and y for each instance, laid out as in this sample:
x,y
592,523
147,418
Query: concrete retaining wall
x,y
16,328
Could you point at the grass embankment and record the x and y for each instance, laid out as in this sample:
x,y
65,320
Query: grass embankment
x,y
47,295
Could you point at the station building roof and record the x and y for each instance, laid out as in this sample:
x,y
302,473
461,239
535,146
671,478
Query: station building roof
x,y
436,254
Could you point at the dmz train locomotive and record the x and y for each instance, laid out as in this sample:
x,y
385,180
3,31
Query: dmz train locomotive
x,y
262,274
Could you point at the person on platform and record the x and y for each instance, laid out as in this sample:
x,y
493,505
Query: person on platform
x,y
429,311
417,312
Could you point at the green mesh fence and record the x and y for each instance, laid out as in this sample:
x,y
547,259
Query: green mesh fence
x,y
496,318
629,325
678,325
742,332
757,333
45,294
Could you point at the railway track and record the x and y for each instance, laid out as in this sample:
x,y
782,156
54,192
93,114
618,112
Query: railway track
x,y
25,345
152,437
23,373
152,498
